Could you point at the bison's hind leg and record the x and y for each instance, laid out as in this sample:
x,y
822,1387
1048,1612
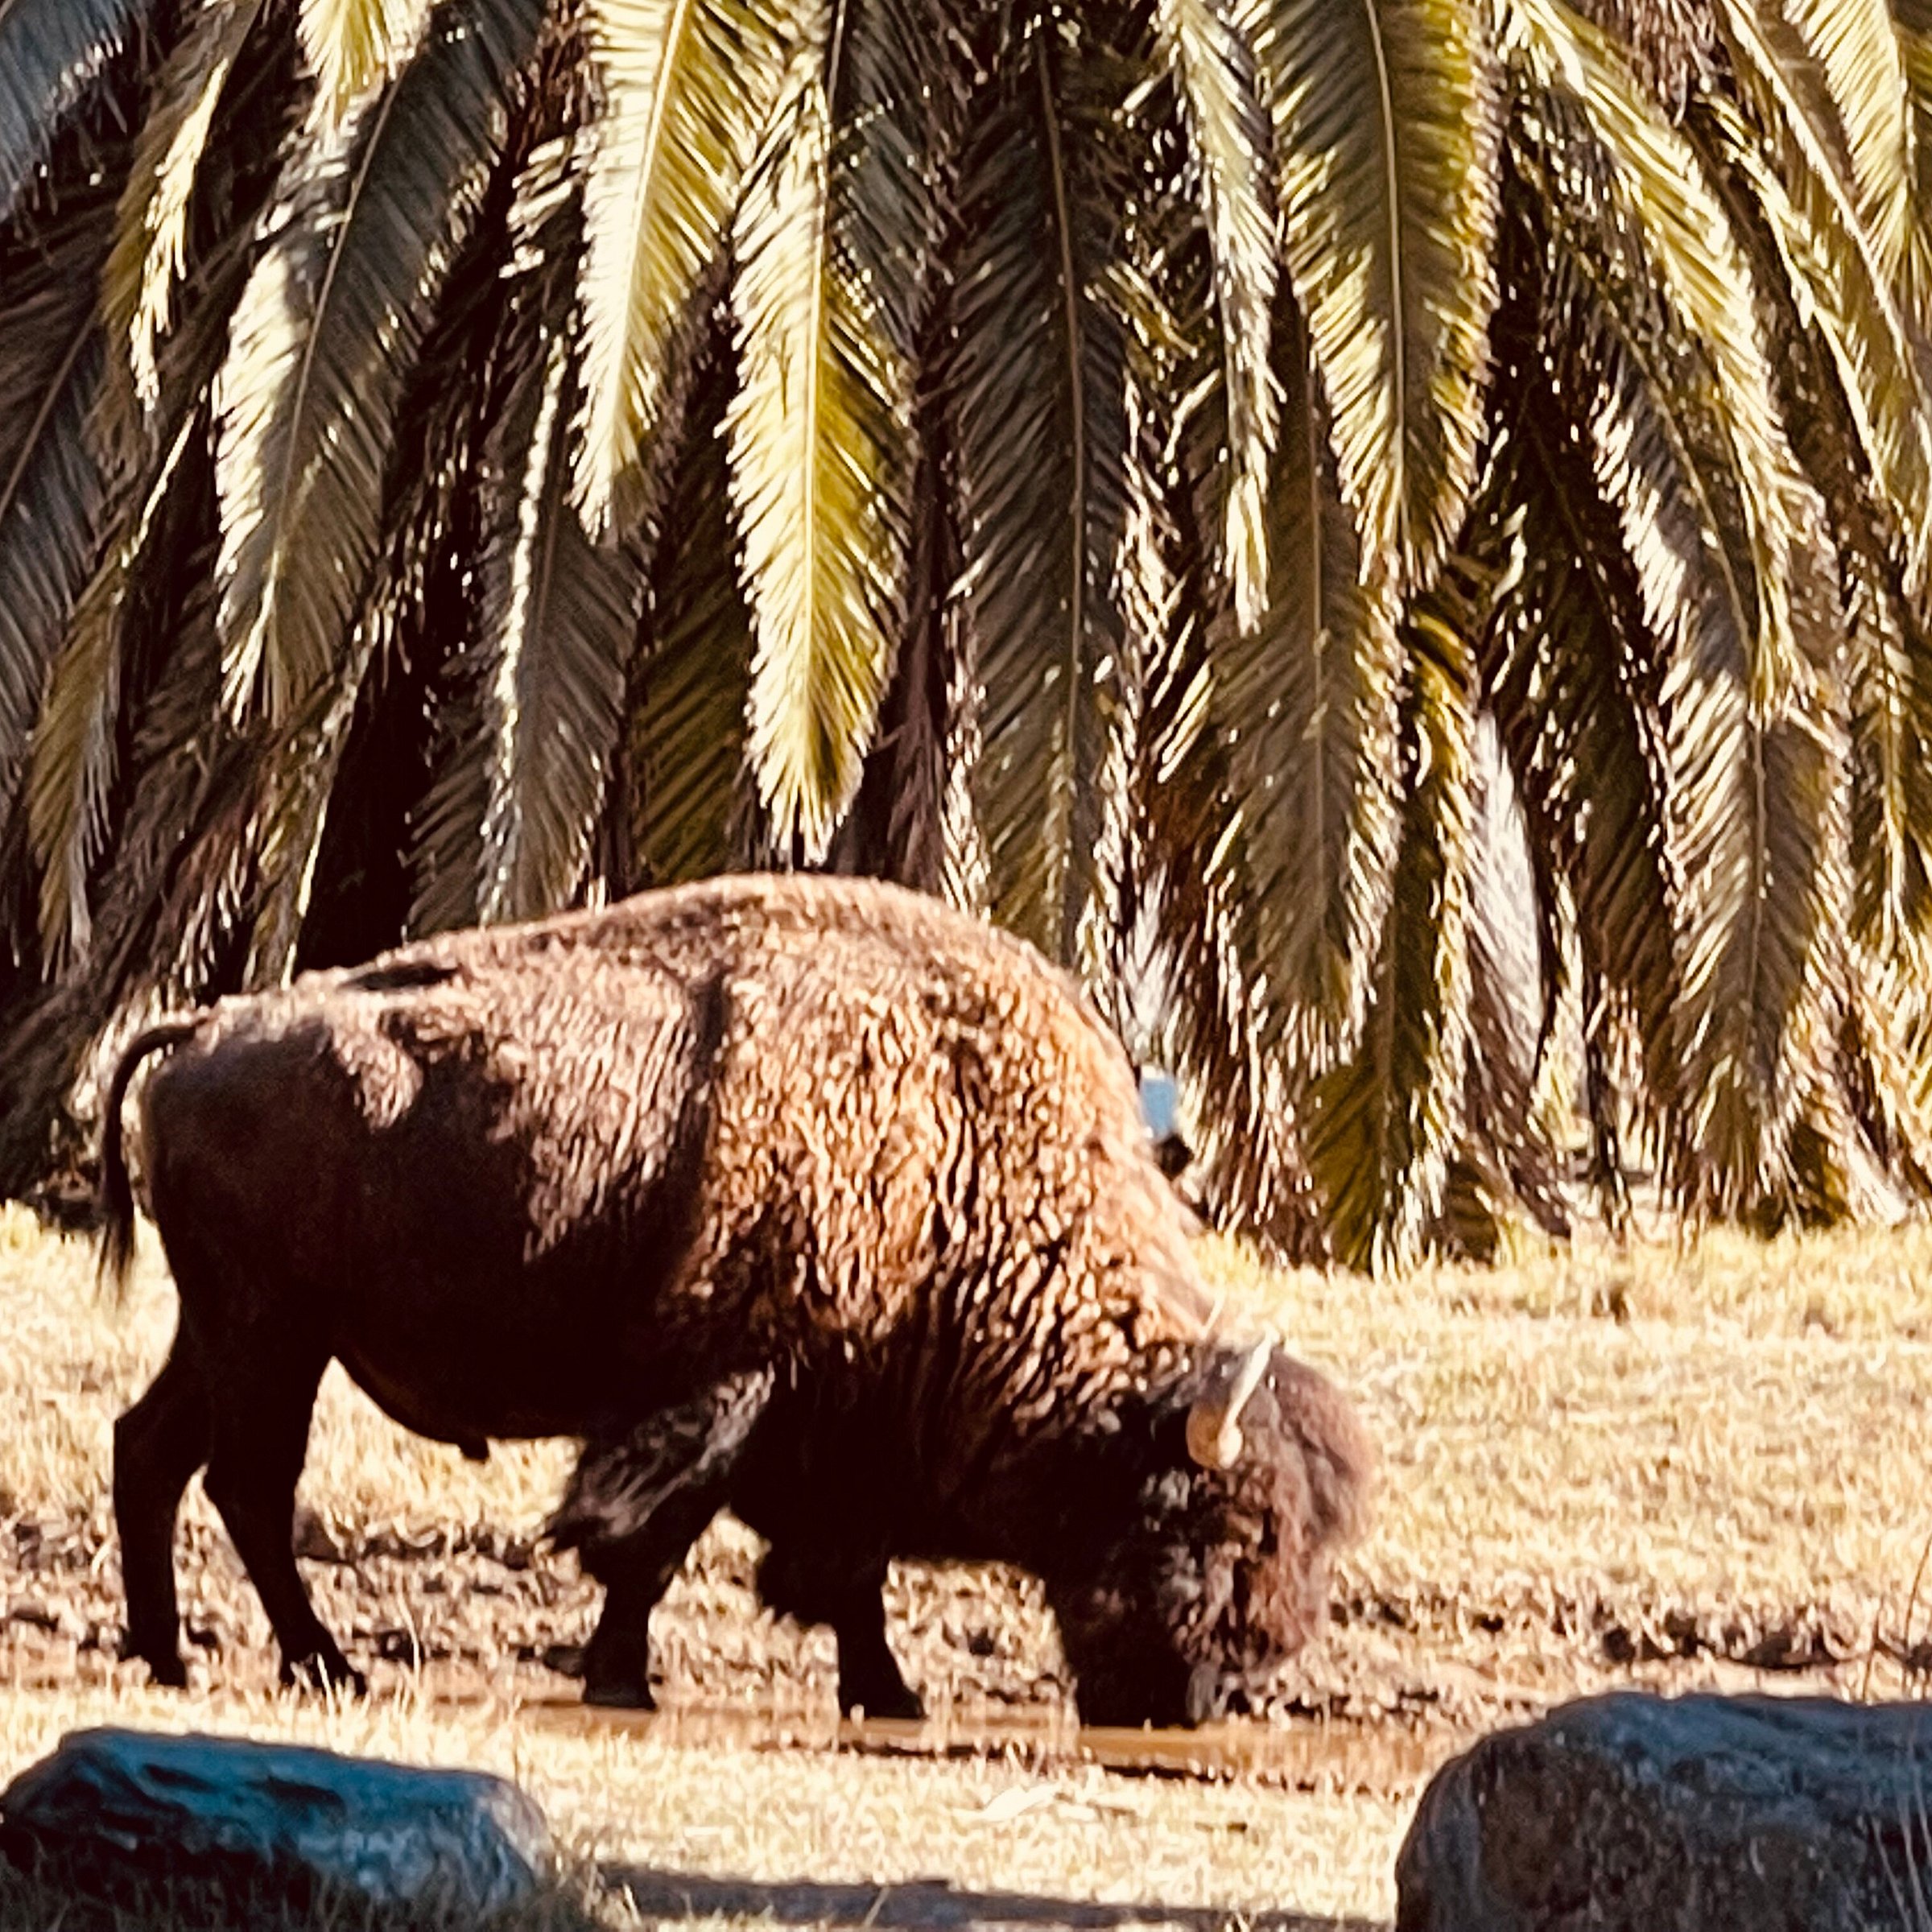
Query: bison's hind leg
x,y
159,1445
851,1597
259,1434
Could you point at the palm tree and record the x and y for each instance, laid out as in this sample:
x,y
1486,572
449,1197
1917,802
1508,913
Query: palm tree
x,y
1400,525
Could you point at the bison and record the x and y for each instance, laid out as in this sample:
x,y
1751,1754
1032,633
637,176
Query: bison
x,y
811,1198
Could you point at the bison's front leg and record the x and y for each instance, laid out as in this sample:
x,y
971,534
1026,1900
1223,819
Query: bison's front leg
x,y
850,1596
637,1500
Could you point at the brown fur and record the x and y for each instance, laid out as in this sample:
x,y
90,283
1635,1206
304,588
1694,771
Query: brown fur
x,y
565,1178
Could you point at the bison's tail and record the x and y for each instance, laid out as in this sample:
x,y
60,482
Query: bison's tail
x,y
116,1196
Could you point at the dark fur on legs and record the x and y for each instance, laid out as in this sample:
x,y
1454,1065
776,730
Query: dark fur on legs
x,y
850,1599
636,1501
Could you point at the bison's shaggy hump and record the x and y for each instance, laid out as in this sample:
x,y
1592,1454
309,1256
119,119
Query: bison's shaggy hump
x,y
886,1086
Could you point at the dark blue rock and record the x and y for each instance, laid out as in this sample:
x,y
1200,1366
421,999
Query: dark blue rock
x,y
112,1808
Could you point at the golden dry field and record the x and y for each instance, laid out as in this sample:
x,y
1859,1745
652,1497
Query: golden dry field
x,y
1697,1467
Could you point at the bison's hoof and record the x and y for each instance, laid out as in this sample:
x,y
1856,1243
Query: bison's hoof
x,y
165,1671
320,1671
619,1694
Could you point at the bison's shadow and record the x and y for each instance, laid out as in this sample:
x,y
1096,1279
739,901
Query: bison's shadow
x,y
933,1902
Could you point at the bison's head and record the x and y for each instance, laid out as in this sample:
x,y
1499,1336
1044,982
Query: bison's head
x,y
1254,1470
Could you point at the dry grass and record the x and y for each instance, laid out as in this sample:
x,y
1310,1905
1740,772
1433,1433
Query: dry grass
x,y
1586,1459
1721,1436
627,1800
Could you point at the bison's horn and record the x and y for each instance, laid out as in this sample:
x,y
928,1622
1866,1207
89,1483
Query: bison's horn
x,y
1214,1424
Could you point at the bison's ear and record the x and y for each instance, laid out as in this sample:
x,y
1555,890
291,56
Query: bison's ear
x,y
1214,1423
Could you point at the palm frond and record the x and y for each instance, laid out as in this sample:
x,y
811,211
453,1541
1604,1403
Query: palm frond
x,y
351,45
1185,884
1854,48
1888,678
688,85
1573,672
1381,1128
557,661
1035,389
1646,233
51,52
74,744
509,305
1915,25
150,254
1831,261
692,810
897,826
1672,46
818,434
1756,797
50,488
296,789
1663,363
1306,704
1230,155
1505,1157
324,337
1386,124
898,97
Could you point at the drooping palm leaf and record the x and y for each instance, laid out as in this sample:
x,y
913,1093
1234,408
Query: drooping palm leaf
x,y
297,785
1672,45
1229,140
1670,255
1854,49
74,748
1184,879
324,337
1913,21
349,45
50,490
690,815
1888,681
898,98
1385,118
1381,1128
1887,650
688,85
1800,194
898,825
51,52
150,254
150,514
1306,704
1573,676
818,433
1035,389
556,663
1504,1156
1652,292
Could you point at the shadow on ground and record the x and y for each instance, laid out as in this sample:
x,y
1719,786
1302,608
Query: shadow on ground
x,y
924,1902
